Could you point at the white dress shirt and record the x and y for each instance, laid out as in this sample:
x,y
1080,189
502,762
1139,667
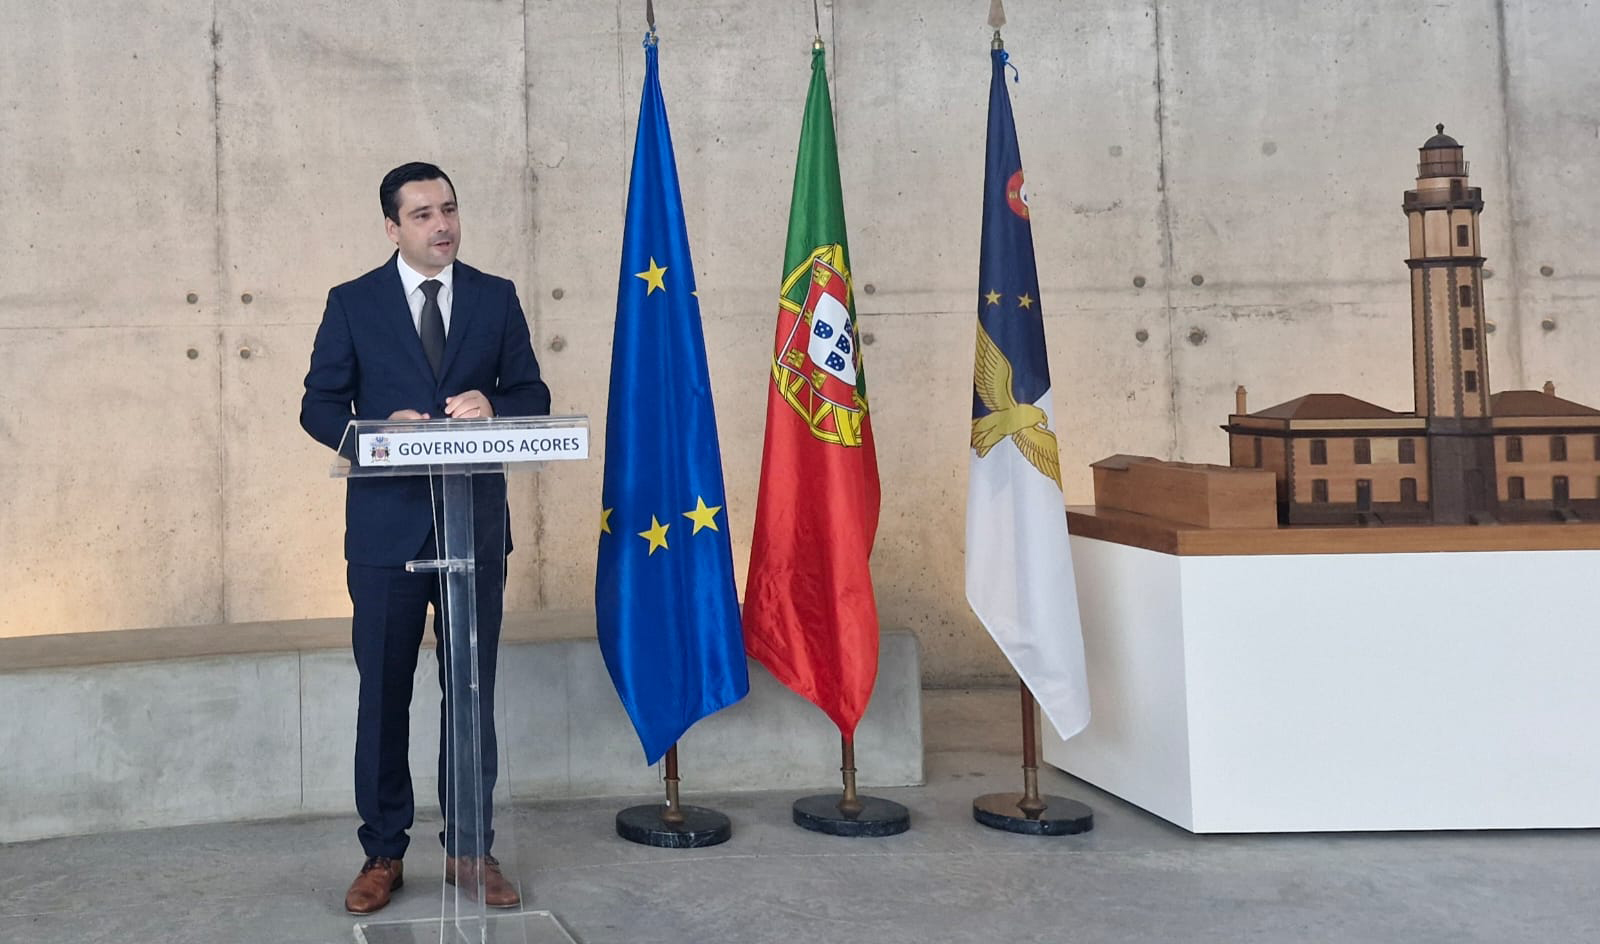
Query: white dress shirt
x,y
412,280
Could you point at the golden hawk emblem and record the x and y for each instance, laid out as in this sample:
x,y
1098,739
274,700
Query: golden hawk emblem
x,y
1023,423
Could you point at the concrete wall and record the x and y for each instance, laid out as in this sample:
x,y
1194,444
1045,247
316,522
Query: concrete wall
x,y
1244,160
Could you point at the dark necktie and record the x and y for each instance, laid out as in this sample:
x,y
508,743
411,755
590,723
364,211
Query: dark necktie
x,y
432,325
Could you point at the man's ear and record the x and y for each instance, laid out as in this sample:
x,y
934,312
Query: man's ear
x,y
393,229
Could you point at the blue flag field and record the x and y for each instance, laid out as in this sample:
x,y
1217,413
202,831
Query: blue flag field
x,y
665,601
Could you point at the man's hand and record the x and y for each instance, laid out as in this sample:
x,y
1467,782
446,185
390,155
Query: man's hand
x,y
408,415
469,405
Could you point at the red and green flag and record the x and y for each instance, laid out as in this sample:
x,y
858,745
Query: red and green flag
x,y
809,612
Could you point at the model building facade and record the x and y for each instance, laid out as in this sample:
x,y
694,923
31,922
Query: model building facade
x,y
1464,455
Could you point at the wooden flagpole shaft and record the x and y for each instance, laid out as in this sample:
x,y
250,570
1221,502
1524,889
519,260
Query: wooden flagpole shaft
x,y
849,803
672,815
1031,804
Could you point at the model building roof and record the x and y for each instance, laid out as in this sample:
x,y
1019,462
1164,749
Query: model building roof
x,y
1440,140
1509,403
1328,406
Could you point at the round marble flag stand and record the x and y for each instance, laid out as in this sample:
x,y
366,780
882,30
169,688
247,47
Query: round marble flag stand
x,y
849,813
1028,811
673,825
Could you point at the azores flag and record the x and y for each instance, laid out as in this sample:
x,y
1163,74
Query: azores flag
x,y
664,598
1019,561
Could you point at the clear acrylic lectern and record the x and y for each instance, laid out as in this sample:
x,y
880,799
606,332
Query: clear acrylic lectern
x,y
453,453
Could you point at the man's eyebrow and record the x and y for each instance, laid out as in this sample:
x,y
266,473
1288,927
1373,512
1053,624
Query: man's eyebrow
x,y
421,209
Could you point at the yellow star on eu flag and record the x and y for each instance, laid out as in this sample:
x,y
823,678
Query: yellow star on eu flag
x,y
702,516
1026,301
657,535
653,277
605,519
992,297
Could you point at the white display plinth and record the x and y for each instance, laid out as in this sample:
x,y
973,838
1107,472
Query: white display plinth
x,y
1351,691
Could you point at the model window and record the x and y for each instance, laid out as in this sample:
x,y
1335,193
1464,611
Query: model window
x,y
1464,295
1514,488
1408,491
1469,339
1469,380
1559,492
1558,448
1513,448
1319,490
1463,235
1258,451
1319,452
1363,452
1457,191
1408,451
1363,494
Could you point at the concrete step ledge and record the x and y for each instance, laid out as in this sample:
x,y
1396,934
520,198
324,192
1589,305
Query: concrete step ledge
x,y
178,725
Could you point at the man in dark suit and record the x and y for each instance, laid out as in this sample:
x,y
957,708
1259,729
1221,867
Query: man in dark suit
x,y
420,336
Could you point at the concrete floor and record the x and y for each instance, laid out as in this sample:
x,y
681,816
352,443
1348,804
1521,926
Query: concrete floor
x,y
1133,879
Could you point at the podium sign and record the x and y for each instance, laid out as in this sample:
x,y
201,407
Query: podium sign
x,y
418,447
450,452
468,441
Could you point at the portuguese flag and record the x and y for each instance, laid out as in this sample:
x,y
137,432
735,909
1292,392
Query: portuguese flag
x,y
809,612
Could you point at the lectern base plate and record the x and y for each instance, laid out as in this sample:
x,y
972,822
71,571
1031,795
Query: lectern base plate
x,y
522,927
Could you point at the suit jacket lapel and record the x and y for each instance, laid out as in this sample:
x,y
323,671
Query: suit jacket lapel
x,y
462,305
395,310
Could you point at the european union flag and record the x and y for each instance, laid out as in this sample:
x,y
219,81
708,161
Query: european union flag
x,y
665,602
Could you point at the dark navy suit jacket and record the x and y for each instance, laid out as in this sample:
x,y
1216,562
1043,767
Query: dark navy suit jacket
x,y
368,362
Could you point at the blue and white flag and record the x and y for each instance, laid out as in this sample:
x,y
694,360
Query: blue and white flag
x,y
1019,560
665,604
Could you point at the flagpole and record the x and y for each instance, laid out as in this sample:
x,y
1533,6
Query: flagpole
x,y
850,813
656,219
673,825
1029,811
1026,812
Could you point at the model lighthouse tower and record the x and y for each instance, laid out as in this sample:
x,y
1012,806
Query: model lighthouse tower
x,y
1450,365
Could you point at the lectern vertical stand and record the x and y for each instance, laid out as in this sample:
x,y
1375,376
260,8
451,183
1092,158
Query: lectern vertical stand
x,y
466,462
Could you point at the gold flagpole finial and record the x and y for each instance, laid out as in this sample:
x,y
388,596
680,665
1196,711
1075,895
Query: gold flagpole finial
x,y
650,20
997,19
816,18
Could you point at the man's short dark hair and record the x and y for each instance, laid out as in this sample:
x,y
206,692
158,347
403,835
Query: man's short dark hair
x,y
389,190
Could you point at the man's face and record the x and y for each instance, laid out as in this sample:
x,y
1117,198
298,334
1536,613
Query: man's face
x,y
429,232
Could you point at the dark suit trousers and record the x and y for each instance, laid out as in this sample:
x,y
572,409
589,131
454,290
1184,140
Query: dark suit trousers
x,y
390,608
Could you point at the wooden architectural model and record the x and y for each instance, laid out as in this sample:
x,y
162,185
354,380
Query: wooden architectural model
x,y
1464,455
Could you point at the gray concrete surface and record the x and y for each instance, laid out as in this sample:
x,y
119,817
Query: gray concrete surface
x,y
232,149
252,736
1133,880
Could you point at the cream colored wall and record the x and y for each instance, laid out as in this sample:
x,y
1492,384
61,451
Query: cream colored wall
x,y
1249,186
1538,470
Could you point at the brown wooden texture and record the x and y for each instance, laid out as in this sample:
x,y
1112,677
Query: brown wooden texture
x,y
1172,537
1205,495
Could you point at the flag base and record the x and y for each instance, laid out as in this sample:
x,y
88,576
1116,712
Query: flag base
x,y
878,817
700,827
1060,817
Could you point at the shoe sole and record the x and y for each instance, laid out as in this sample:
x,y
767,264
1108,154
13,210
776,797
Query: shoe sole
x,y
399,884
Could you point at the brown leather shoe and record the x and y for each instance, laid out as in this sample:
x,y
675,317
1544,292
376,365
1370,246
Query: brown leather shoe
x,y
380,877
498,892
